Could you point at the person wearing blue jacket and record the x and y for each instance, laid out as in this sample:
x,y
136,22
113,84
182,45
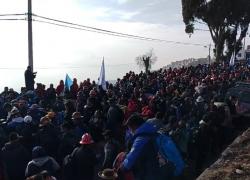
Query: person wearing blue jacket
x,y
142,158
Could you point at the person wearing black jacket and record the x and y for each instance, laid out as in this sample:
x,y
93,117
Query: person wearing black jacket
x,y
84,160
29,78
15,156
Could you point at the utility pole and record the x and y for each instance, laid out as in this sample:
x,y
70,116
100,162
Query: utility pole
x,y
30,38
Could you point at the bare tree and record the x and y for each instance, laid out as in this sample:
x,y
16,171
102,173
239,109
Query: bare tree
x,y
146,60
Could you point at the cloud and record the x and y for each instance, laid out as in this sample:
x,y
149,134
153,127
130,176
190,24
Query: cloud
x,y
122,1
79,53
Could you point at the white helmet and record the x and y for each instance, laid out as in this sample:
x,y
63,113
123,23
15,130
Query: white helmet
x,y
27,119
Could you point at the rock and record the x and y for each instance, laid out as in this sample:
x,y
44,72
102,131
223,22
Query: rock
x,y
238,171
234,163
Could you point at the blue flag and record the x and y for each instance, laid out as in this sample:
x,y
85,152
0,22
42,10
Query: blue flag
x,y
68,82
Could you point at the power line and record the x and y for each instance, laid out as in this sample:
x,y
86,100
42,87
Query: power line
x,y
12,19
13,14
94,29
77,28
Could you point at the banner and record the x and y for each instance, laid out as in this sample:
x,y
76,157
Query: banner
x,y
101,80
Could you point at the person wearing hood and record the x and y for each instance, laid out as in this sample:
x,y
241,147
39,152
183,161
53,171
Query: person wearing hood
x,y
15,156
41,162
142,156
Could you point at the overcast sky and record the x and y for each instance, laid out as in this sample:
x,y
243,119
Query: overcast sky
x,y
61,50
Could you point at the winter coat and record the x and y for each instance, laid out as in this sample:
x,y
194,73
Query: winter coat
x,y
142,157
40,164
114,117
15,157
47,137
67,144
85,160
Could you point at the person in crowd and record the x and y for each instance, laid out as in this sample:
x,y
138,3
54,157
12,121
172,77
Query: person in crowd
x,y
15,157
181,102
142,156
51,95
74,89
114,117
84,159
47,136
60,89
17,122
29,78
41,162
111,149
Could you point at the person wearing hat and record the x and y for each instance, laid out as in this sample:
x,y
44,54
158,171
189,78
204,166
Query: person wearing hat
x,y
84,159
79,127
111,149
108,174
15,157
48,136
41,162
16,123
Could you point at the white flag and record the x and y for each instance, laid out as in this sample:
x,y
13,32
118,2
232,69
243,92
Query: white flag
x,y
231,63
102,81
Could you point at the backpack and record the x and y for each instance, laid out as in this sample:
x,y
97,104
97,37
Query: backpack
x,y
169,151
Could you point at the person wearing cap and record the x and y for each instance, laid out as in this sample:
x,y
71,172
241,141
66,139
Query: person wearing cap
x,y
84,159
40,162
27,131
15,156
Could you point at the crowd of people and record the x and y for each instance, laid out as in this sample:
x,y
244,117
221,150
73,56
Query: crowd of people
x,y
85,132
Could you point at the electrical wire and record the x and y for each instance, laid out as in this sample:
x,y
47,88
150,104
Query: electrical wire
x,y
77,28
12,19
103,31
94,29
13,14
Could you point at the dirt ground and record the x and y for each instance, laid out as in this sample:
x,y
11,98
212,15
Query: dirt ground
x,y
234,163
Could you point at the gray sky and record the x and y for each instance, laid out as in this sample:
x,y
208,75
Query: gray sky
x,y
79,53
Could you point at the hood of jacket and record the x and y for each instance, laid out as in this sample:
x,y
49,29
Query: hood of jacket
x,y
146,128
40,161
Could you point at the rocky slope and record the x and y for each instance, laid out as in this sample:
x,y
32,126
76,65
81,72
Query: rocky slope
x,y
234,163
